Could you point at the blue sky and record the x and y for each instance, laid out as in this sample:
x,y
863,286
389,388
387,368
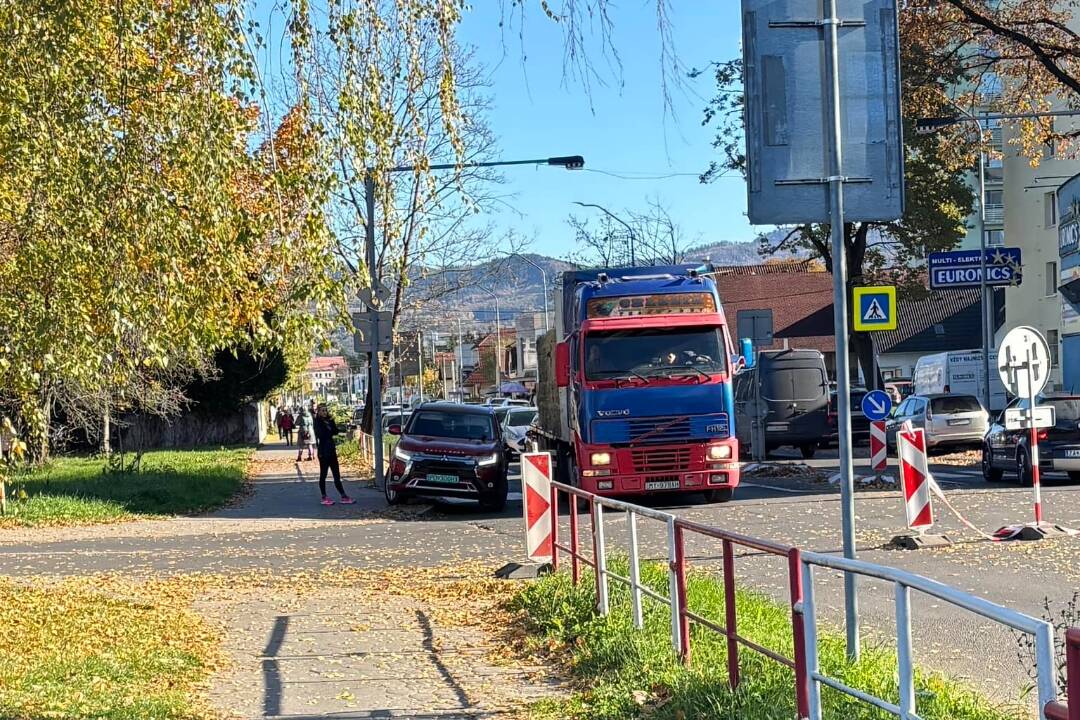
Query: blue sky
x,y
619,127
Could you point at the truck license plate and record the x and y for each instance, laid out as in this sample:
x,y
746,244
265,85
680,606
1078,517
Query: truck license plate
x,y
661,484
443,479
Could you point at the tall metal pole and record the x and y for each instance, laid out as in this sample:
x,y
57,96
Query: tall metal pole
x,y
375,374
420,363
460,362
498,349
543,275
840,318
983,304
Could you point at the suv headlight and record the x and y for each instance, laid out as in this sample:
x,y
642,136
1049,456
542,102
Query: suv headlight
x,y
600,458
719,452
488,460
401,454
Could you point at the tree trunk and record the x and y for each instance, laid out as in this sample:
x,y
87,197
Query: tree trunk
x,y
106,431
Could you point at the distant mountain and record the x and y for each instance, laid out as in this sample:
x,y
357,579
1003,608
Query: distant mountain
x,y
518,282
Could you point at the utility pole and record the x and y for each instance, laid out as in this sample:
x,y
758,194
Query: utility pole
x,y
834,132
420,363
374,369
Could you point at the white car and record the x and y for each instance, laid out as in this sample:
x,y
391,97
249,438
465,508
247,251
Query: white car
x,y
953,419
516,425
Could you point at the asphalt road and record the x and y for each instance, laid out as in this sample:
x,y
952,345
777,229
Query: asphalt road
x,y
283,529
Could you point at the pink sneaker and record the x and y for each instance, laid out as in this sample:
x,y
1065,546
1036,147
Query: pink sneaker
x,y
326,501
346,500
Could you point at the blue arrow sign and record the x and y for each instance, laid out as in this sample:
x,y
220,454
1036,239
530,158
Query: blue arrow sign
x,y
876,405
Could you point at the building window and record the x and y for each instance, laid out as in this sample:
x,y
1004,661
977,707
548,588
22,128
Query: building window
x,y
995,198
1052,341
1050,209
1051,279
995,237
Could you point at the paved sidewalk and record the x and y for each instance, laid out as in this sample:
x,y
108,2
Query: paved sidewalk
x,y
355,653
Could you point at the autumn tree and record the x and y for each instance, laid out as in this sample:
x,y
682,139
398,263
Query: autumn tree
x,y
957,56
139,234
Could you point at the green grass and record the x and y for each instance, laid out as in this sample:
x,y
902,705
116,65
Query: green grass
x,y
618,662
70,651
78,490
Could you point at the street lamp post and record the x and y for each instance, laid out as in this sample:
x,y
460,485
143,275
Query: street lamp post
x,y
498,342
616,218
570,162
925,126
543,275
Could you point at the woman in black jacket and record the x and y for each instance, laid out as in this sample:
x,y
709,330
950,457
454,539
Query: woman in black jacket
x,y
325,430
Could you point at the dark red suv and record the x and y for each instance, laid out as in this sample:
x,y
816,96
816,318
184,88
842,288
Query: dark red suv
x,y
449,450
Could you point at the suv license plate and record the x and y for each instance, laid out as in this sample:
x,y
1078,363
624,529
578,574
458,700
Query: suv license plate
x,y
1072,453
661,484
443,479
962,421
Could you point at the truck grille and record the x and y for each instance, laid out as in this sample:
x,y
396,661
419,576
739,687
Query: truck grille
x,y
661,460
664,429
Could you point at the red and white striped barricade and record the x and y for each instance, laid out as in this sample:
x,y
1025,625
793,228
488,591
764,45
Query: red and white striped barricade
x,y
915,482
536,499
879,454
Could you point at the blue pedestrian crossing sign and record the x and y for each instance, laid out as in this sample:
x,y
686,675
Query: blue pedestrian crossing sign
x,y
875,308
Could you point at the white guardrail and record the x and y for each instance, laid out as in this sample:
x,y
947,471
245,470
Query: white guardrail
x,y
801,570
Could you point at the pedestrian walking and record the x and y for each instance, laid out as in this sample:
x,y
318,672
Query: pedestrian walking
x,y
287,424
325,430
279,417
305,436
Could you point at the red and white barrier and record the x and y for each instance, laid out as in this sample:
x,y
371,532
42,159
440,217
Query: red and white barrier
x,y
914,476
879,456
536,500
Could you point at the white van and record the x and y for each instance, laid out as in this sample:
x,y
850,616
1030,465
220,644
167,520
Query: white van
x,y
958,372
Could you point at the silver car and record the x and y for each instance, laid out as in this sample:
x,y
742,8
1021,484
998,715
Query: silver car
x,y
516,425
948,419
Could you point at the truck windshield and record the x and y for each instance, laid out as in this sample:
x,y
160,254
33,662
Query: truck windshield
x,y
653,351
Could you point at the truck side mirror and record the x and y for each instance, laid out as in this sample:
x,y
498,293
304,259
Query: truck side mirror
x,y
562,364
747,352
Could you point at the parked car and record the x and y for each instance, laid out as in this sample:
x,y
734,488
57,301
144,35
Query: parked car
x,y
1059,446
504,402
860,424
449,450
514,427
953,419
394,416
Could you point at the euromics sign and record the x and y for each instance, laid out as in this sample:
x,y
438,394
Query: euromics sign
x,y
960,268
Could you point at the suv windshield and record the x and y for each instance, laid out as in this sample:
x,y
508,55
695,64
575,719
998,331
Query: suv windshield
x,y
954,404
652,351
460,426
520,418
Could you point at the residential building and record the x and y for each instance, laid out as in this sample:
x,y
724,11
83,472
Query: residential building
x,y
326,375
529,326
1068,202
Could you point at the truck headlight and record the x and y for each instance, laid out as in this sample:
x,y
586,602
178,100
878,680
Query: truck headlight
x,y
488,460
719,452
401,454
600,458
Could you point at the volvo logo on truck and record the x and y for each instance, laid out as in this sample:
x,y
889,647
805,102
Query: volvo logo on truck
x,y
613,413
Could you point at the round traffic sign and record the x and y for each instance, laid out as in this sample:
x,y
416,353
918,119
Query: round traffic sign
x,y
1024,361
876,405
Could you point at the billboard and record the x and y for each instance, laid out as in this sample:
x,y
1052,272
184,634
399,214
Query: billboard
x,y
787,111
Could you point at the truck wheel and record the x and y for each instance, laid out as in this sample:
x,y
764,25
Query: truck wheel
x,y
808,450
1023,468
717,496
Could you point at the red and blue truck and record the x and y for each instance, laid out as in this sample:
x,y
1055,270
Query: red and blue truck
x,y
635,383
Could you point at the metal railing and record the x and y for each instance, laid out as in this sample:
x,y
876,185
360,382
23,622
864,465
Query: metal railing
x,y
801,565
1060,711
677,599
903,583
